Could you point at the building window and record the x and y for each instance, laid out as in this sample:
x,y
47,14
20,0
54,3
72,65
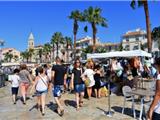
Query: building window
x,y
86,44
127,39
135,48
127,47
137,38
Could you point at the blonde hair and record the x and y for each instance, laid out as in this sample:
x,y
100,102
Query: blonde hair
x,y
90,64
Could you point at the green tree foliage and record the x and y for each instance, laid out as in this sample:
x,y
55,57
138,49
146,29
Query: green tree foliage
x,y
156,35
94,17
68,42
8,56
56,40
144,4
25,55
47,51
76,16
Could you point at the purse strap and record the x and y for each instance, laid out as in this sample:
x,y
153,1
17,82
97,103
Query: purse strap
x,y
43,80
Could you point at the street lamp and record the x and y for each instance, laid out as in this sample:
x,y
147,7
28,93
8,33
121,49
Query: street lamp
x,y
1,44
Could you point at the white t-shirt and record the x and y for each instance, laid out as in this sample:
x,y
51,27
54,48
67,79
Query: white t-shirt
x,y
14,79
90,74
49,71
41,84
157,107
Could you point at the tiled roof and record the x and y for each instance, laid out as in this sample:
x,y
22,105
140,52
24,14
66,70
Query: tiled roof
x,y
133,33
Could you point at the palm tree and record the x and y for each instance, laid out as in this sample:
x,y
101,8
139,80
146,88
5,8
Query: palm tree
x,y
15,58
31,52
40,53
76,16
8,56
156,35
101,49
68,41
47,51
88,49
25,55
144,3
94,17
57,39
120,47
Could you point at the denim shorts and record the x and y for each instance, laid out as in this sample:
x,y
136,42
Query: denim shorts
x,y
79,88
14,90
39,93
57,90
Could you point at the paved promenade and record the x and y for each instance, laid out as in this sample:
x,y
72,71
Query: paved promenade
x,y
93,109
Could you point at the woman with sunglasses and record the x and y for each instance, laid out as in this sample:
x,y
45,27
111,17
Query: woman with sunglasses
x,y
77,83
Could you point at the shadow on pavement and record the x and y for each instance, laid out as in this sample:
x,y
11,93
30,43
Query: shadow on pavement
x,y
52,106
34,107
127,111
101,110
70,103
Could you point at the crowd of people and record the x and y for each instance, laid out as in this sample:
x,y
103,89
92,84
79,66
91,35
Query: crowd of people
x,y
85,80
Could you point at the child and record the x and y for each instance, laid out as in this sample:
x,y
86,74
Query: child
x,y
14,79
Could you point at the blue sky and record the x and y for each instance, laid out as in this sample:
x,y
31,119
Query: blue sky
x,y
18,19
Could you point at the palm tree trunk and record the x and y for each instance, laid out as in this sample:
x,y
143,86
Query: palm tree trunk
x,y
50,56
149,40
57,50
52,52
67,54
94,37
40,59
74,51
47,58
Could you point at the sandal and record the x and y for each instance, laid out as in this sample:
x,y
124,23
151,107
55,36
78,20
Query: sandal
x,y
77,108
80,103
43,113
60,112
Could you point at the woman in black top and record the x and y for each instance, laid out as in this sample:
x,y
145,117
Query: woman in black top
x,y
97,78
77,83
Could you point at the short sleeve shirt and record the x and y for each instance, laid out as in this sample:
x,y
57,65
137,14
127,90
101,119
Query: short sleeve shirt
x,y
24,76
60,71
15,80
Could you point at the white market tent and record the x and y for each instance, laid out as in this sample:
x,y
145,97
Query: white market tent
x,y
132,53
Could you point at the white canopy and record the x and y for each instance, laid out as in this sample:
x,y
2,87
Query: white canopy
x,y
120,54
